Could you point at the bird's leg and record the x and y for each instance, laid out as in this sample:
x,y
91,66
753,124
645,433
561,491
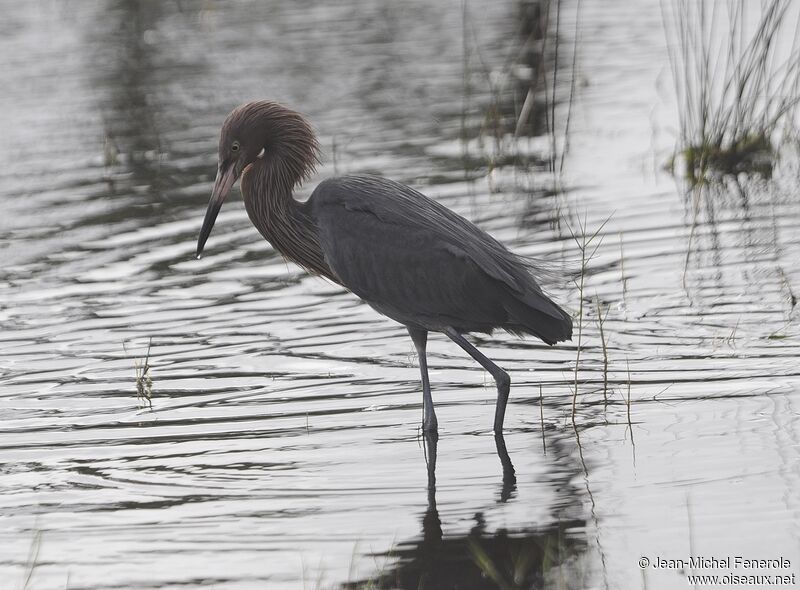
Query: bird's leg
x,y
429,423
500,376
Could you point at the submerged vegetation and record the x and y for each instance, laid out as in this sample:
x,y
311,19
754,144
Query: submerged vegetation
x,y
736,69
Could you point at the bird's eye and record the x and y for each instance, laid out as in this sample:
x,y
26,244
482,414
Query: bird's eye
x,y
235,146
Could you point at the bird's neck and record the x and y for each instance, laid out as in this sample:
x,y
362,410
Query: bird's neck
x,y
267,190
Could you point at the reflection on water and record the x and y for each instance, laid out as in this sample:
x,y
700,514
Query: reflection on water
x,y
748,262
282,447
484,558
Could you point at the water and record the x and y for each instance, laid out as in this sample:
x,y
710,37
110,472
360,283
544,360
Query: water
x,y
282,448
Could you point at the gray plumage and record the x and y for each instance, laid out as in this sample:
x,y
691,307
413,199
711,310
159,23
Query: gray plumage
x,y
421,264
406,255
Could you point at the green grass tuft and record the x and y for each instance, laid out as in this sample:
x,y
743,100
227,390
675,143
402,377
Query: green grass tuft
x,y
736,68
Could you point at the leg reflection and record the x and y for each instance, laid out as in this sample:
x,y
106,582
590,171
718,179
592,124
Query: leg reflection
x,y
431,524
509,487
430,547
485,556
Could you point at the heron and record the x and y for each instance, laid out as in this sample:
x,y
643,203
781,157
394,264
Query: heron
x,y
406,255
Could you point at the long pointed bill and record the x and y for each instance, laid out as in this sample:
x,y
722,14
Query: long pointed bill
x,y
222,186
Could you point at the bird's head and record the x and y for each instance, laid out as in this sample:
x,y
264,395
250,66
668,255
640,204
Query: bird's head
x,y
256,131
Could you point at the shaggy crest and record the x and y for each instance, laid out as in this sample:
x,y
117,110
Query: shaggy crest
x,y
290,146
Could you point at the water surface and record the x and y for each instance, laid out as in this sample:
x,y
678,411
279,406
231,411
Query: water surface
x,y
282,448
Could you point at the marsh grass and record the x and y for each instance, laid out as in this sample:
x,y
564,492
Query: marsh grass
x,y
587,244
519,97
622,271
792,297
533,563
381,572
488,567
601,320
573,78
736,70
505,559
501,117
628,399
541,419
144,382
33,559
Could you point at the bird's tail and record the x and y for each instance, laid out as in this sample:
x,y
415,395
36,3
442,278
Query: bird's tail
x,y
535,313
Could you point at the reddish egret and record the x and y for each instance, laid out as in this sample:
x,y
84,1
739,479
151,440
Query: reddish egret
x,y
404,254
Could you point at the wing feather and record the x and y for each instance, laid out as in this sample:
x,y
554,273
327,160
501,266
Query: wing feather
x,y
418,262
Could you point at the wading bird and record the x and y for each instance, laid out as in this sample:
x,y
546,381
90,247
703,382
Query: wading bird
x,y
404,254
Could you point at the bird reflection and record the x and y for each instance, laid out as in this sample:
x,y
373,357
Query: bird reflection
x,y
431,523
482,558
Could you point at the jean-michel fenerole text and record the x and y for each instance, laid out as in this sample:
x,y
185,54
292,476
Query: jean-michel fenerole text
x,y
729,562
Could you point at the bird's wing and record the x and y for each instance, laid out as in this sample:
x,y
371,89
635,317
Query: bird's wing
x,y
396,248
397,204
